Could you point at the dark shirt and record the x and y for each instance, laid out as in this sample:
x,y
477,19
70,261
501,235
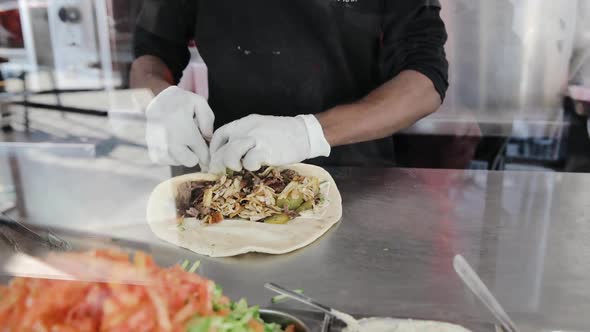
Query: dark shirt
x,y
289,57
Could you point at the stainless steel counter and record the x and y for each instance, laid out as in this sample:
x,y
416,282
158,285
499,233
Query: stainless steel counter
x,y
526,233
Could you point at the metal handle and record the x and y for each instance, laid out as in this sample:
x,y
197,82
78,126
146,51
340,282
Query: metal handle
x,y
50,239
299,297
326,324
472,280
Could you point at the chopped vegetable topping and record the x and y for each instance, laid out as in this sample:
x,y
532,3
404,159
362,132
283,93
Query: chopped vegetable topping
x,y
194,267
172,300
269,195
185,264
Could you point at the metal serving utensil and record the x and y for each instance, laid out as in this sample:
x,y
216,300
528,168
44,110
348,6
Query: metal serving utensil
x,y
299,297
327,322
481,291
50,239
349,320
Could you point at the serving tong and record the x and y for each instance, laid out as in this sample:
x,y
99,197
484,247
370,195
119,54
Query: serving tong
x,y
299,297
330,313
11,230
461,269
481,291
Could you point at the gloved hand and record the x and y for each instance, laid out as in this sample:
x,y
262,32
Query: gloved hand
x,y
258,140
178,122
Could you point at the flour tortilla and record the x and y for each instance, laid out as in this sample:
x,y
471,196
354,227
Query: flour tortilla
x,y
236,237
405,325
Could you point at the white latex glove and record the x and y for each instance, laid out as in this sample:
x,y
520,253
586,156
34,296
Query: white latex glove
x,y
258,140
178,122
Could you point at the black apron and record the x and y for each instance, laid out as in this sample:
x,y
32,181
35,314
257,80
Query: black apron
x,y
290,57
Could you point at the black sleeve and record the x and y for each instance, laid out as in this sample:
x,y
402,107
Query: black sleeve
x,y
413,39
175,56
164,29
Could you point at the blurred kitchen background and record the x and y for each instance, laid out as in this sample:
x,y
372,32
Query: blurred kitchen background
x,y
520,73
519,95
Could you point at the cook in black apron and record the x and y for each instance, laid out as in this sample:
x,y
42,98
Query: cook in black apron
x,y
292,57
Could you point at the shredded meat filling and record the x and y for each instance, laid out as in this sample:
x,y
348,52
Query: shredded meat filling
x,y
276,184
255,196
188,194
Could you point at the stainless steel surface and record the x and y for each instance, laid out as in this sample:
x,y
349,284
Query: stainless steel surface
x,y
509,66
519,55
507,123
525,233
481,291
299,297
581,64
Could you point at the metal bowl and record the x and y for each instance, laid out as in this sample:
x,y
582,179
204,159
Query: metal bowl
x,y
283,319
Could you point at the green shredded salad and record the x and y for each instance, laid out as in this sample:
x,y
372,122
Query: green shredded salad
x,y
194,267
238,319
185,264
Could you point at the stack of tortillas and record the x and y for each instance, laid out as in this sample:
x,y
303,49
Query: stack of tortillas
x,y
235,237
